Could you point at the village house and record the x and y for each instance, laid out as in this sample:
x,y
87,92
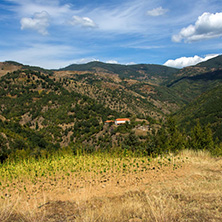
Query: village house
x,y
122,121
118,121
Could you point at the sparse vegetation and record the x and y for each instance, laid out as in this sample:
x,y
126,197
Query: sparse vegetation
x,y
112,187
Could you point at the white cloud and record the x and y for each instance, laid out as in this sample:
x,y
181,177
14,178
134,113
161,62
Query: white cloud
x,y
112,62
85,60
157,11
131,63
39,22
188,61
29,7
207,26
126,17
82,21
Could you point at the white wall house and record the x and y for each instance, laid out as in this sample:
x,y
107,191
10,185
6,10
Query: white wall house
x,y
122,121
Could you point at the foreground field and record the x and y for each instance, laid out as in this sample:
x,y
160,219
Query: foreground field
x,y
104,187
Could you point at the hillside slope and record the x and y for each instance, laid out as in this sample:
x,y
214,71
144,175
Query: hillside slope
x,y
39,102
6,67
190,87
207,108
134,96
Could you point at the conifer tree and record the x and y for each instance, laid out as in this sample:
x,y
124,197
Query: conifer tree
x,y
201,138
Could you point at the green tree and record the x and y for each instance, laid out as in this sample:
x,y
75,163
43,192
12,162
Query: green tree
x,y
176,139
36,126
132,141
201,138
3,148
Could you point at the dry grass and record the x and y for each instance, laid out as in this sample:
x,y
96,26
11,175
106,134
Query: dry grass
x,y
189,188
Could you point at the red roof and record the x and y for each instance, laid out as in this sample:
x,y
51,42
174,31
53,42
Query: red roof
x,y
123,119
109,121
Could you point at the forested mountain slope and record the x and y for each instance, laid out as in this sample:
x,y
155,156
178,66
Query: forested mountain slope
x,y
37,101
207,108
190,87
41,110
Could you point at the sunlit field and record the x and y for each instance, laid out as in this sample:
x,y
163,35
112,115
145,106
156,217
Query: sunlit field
x,y
112,187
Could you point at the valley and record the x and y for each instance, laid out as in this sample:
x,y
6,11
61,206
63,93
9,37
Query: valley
x,y
50,109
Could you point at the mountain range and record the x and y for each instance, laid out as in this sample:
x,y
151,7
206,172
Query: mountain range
x,y
42,108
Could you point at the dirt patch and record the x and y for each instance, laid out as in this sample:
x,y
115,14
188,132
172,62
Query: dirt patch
x,y
26,118
59,211
7,67
2,118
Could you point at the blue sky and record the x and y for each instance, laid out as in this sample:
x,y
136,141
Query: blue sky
x,y
56,33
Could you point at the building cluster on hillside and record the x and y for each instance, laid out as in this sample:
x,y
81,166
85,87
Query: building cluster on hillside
x,y
118,121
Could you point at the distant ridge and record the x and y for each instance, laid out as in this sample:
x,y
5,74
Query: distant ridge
x,y
14,63
215,63
22,66
117,67
143,71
